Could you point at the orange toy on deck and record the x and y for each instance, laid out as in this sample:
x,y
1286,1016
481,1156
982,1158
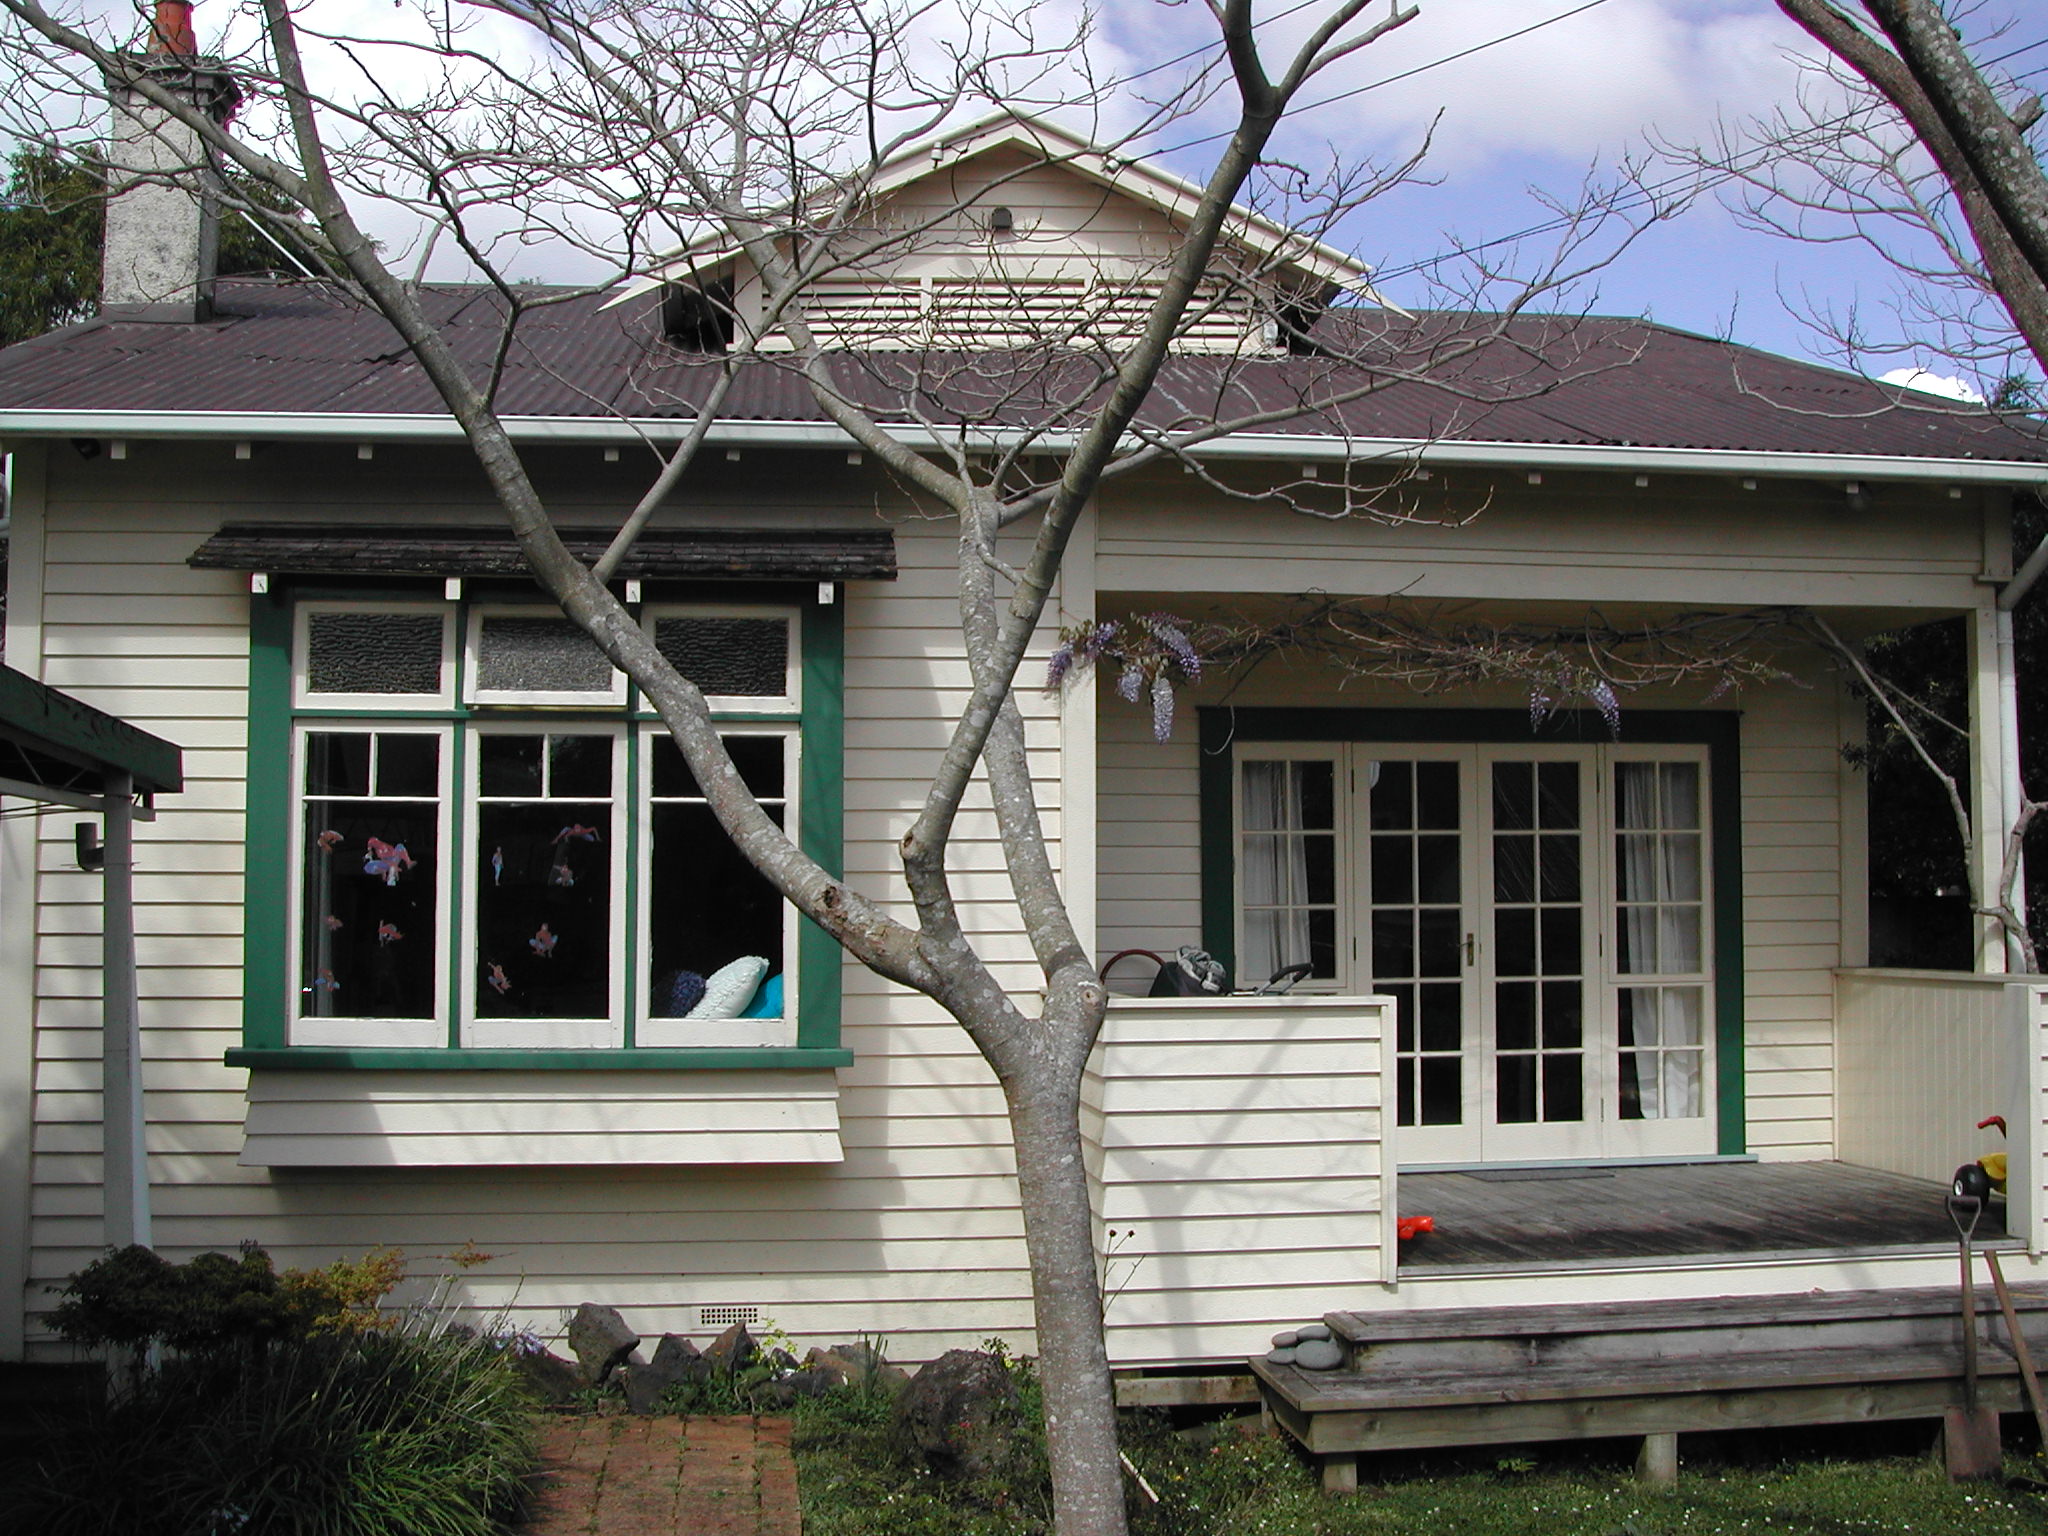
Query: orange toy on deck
x,y
1414,1226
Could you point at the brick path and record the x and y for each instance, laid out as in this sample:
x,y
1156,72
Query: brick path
x,y
631,1476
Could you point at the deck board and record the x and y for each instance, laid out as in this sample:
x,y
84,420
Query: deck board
x,y
1674,1211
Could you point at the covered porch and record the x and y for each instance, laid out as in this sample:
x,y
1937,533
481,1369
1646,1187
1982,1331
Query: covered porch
x,y
1248,1175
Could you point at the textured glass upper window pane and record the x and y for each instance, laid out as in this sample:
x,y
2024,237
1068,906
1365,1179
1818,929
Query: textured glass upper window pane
x,y
373,653
744,657
539,656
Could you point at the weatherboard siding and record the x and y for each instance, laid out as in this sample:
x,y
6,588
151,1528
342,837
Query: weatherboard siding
x,y
911,1235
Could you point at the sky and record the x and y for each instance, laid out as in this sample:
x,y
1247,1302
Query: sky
x,y
1584,89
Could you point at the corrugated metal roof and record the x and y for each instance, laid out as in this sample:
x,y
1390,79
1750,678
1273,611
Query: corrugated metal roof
x,y
281,349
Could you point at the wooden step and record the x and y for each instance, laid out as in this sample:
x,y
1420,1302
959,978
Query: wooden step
x,y
1507,1338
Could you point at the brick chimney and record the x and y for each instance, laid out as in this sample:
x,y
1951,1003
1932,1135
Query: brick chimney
x,y
162,241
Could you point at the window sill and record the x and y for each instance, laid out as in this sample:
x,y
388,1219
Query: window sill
x,y
321,1058
321,1113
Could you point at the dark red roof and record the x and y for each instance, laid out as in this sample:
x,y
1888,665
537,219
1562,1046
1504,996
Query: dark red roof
x,y
1602,382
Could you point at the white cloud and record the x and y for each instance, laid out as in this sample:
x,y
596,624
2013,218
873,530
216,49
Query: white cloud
x,y
1588,85
1932,384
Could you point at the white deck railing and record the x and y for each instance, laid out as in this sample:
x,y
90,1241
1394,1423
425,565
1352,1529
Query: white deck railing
x,y
1237,1160
1922,1056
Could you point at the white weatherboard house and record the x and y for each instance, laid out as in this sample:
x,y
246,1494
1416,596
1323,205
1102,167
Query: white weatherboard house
x,y
416,935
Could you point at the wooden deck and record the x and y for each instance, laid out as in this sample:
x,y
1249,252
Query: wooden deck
x,y
1488,1219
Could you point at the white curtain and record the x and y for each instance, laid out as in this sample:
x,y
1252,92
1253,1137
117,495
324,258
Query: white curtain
x,y
1274,868
1659,884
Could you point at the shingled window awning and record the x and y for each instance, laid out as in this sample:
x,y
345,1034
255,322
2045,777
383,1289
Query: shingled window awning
x,y
724,554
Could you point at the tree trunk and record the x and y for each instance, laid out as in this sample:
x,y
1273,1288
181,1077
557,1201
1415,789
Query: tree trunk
x,y
1073,1360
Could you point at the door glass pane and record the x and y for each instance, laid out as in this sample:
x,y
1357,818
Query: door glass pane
x,y
1287,864
1538,933
1416,928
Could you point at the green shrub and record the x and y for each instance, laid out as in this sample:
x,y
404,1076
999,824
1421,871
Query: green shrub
x,y
394,1433
132,1296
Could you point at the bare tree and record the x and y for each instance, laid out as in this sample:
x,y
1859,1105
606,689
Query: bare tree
x,y
674,141
1902,142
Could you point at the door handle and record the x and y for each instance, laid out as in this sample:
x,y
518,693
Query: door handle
x,y
1471,949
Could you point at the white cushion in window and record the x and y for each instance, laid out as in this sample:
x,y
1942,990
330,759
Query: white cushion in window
x,y
729,989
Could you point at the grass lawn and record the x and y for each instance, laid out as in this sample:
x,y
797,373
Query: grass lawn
x,y
1824,1483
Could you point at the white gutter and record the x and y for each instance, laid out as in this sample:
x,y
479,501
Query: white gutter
x,y
1304,448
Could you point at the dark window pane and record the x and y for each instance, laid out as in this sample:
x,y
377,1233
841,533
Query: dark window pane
x,y
1438,950
1405,1105
373,653
1393,874
759,760
1436,868
1560,941
708,906
539,656
1314,784
367,951
543,911
509,765
1512,797
1564,1089
1443,1094
1436,797
1560,868
1514,1081
1393,945
1322,944
1443,1024
1514,1016
1514,869
672,777
1393,798
1563,1015
728,656
1514,942
1404,1015
579,766
408,764
1557,794
1633,1064
338,763
1319,868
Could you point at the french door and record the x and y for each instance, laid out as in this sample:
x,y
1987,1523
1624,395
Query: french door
x,y
1540,914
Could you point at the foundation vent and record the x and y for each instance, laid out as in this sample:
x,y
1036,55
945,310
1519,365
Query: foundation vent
x,y
724,1317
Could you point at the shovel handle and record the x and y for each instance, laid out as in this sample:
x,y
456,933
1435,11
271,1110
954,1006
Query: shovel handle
x,y
2020,1352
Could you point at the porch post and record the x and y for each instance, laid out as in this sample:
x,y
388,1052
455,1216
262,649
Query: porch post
x,y
1078,847
1989,755
124,1173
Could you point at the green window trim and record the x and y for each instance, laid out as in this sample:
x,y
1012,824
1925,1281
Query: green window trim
x,y
1719,731
269,947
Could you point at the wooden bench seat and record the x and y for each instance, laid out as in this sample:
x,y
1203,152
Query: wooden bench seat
x,y
1489,1376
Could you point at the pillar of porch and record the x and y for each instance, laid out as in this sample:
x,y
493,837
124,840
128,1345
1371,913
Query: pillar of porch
x,y
1988,759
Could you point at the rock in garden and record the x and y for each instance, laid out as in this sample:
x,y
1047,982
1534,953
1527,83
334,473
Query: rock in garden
x,y
675,1361
1286,1340
732,1351
960,1417
553,1380
1283,1355
785,1392
600,1340
1312,1331
860,1366
1319,1354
